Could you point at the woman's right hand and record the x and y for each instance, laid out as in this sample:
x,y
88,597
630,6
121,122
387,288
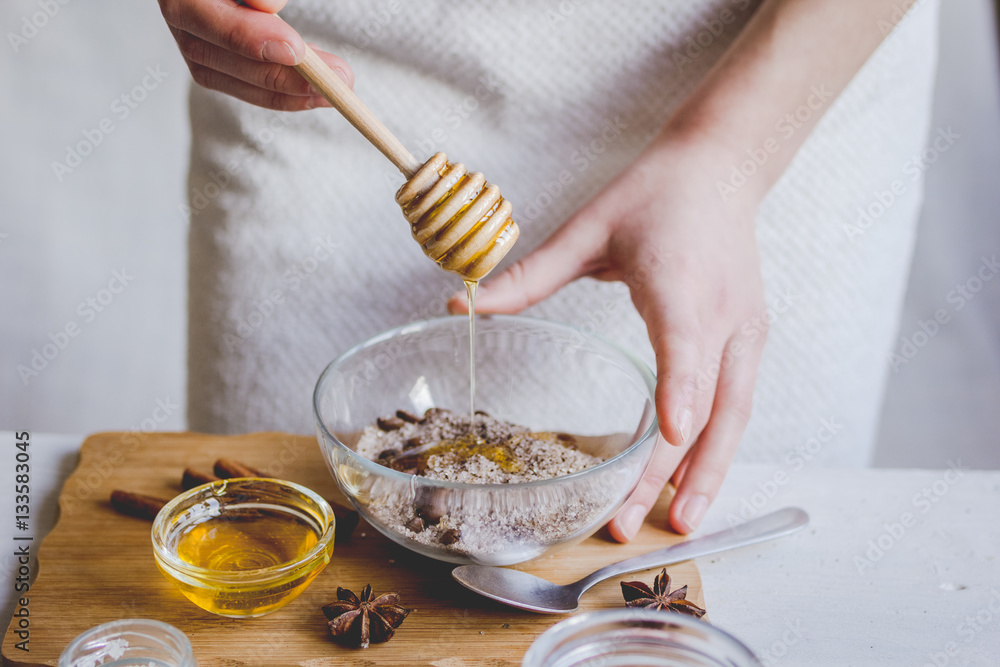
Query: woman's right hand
x,y
246,51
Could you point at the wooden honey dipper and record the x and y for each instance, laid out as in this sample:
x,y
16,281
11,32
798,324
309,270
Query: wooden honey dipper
x,y
459,219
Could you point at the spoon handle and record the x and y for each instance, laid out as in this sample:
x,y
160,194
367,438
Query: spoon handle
x,y
776,524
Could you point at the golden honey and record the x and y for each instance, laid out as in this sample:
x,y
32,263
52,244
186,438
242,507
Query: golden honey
x,y
470,294
241,555
459,219
464,448
242,541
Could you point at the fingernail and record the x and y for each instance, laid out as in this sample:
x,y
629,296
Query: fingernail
x,y
631,521
279,52
343,75
316,102
685,418
693,511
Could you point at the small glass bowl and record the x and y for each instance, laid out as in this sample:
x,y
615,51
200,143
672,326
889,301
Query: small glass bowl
x,y
541,375
244,547
626,637
132,641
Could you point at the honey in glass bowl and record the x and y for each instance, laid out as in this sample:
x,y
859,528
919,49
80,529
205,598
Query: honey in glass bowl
x,y
244,547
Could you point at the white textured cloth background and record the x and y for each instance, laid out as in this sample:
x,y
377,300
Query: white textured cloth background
x,y
297,249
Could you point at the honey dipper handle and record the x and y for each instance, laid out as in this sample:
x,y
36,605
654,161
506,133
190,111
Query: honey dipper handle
x,y
333,88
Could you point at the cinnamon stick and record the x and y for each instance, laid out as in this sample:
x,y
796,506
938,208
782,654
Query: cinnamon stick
x,y
146,507
137,504
193,478
226,468
347,521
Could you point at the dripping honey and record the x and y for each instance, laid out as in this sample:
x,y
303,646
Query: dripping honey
x,y
470,444
470,294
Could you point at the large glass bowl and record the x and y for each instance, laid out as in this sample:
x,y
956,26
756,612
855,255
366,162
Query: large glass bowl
x,y
542,375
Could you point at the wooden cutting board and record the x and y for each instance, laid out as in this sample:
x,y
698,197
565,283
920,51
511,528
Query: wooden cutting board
x,y
97,566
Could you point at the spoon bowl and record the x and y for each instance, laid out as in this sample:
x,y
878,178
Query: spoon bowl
x,y
519,589
526,591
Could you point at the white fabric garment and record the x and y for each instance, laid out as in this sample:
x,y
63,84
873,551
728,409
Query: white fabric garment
x,y
298,250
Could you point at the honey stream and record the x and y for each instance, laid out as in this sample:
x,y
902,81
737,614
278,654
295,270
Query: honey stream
x,y
470,293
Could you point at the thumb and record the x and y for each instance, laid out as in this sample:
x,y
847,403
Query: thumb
x,y
630,517
560,260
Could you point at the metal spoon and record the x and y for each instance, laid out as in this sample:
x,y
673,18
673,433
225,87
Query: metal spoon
x,y
526,591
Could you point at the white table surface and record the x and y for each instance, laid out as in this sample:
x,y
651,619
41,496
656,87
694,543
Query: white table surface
x,y
897,567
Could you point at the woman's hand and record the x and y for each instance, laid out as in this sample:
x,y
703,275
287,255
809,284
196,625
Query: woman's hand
x,y
688,256
246,51
691,264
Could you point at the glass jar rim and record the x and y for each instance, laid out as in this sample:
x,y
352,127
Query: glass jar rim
x,y
113,629
589,625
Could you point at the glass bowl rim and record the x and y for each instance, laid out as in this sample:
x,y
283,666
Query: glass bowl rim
x,y
372,467
260,575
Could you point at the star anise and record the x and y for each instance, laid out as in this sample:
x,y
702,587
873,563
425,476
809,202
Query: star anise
x,y
638,594
359,621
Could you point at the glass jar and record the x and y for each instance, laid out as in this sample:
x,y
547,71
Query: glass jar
x,y
630,637
132,642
